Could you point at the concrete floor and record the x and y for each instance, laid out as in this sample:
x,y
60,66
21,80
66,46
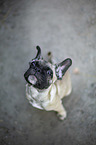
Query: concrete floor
x,y
68,29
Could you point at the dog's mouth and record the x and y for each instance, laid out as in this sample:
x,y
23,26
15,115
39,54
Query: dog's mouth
x,y
32,79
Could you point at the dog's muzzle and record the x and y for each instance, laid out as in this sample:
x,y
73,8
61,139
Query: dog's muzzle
x,y
29,77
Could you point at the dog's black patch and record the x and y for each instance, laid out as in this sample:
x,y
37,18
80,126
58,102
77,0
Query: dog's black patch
x,y
42,72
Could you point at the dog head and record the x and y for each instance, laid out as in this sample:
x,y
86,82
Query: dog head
x,y
42,73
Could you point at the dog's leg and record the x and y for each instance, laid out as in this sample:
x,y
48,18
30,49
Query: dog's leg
x,y
62,114
57,106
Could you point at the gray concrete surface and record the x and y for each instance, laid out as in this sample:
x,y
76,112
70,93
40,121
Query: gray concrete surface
x,y
68,29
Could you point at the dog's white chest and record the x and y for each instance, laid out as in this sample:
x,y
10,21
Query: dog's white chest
x,y
40,99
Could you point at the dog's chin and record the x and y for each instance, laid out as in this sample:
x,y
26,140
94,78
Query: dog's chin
x,y
32,79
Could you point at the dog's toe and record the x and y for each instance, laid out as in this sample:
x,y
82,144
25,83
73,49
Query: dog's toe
x,y
62,116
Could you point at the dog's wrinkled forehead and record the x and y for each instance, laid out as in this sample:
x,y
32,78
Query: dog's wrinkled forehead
x,y
41,64
38,63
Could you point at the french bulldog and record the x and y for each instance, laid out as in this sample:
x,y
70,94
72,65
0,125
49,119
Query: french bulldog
x,y
48,83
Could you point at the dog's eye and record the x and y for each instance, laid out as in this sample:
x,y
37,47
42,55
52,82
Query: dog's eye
x,y
49,72
38,70
32,64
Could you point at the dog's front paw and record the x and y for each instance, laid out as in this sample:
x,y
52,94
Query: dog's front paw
x,y
62,116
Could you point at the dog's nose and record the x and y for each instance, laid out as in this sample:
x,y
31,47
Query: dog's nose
x,y
25,75
29,72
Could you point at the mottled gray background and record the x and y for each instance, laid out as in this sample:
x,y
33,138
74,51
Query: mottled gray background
x,y
67,28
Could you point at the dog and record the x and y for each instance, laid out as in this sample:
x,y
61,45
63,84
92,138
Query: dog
x,y
48,83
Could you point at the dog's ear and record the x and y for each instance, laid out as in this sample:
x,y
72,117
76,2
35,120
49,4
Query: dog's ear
x,y
38,56
62,67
